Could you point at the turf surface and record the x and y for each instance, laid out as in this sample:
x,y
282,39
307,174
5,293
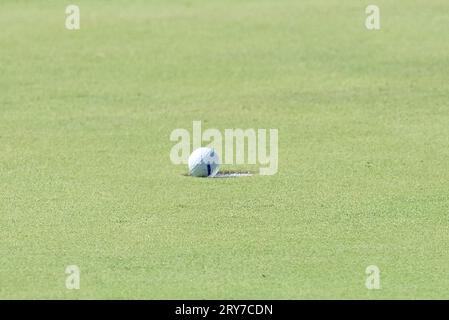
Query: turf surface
x,y
86,179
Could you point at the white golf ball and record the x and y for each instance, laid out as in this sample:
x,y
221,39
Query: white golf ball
x,y
204,162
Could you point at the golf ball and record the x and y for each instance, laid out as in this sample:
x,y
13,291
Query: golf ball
x,y
204,162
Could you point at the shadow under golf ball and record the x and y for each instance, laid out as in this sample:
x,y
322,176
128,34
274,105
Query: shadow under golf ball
x,y
227,174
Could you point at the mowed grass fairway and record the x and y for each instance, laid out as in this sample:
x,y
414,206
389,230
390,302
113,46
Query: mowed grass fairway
x,y
86,178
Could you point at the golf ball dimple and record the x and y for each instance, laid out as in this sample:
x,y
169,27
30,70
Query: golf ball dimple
x,y
204,162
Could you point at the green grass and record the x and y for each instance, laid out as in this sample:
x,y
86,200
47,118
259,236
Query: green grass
x,y
86,179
